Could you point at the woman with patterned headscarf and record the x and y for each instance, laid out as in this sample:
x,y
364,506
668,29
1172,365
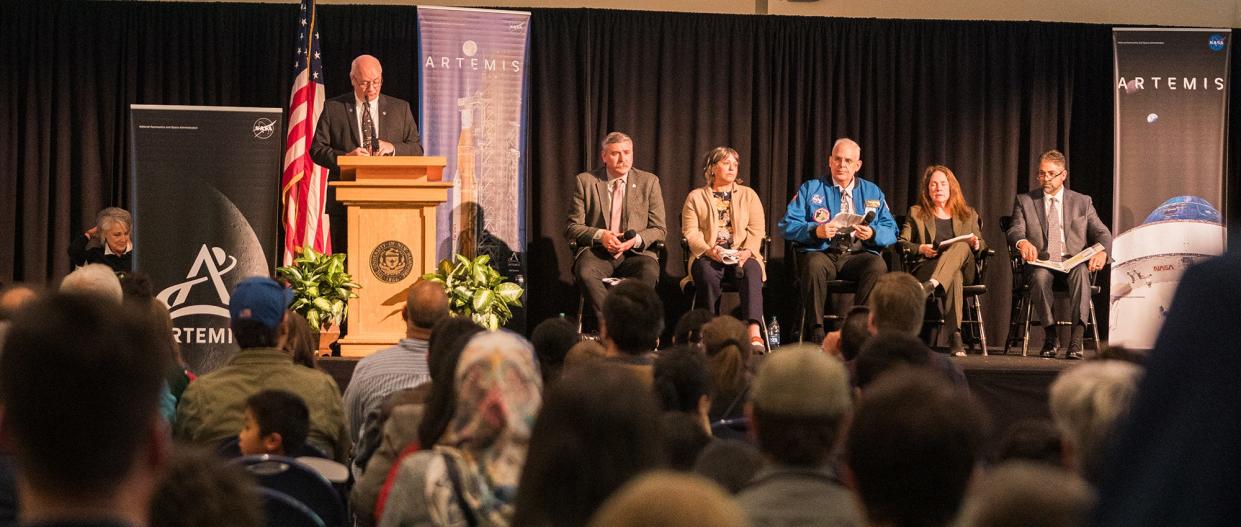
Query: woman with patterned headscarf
x,y
470,477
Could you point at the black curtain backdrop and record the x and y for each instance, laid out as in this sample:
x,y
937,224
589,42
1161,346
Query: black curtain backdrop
x,y
984,98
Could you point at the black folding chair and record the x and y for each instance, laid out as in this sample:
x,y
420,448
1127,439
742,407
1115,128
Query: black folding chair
x,y
295,480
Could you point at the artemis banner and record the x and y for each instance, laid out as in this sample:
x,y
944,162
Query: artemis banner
x,y
204,190
473,112
1171,136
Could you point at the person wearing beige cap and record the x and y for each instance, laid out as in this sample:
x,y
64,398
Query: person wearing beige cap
x,y
799,405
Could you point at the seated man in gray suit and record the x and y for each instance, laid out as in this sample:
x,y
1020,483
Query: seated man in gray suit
x,y
361,123
1054,223
617,213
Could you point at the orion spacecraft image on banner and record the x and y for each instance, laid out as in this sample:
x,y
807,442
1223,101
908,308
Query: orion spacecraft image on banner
x,y
1149,260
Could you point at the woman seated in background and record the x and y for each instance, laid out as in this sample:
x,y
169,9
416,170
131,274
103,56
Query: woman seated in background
x,y
106,243
724,224
942,214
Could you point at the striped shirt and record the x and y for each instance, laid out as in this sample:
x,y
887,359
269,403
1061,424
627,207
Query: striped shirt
x,y
381,373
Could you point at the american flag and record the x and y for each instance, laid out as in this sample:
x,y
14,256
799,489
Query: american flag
x,y
304,184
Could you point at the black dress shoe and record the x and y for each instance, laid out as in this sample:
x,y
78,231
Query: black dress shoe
x,y
1075,350
1049,349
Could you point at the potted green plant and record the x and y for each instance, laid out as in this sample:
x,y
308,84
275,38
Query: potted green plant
x,y
477,290
321,291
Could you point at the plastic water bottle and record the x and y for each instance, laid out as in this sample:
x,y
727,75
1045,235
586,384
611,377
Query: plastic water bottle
x,y
773,334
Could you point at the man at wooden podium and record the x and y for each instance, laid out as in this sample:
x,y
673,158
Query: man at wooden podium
x,y
361,123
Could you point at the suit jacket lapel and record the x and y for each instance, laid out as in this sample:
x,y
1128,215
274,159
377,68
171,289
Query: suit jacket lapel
x,y
605,197
1040,208
352,105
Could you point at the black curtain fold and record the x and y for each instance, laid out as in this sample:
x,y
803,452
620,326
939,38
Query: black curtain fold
x,y
984,98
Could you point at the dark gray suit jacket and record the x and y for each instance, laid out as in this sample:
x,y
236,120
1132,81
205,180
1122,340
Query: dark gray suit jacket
x,y
643,212
337,131
1082,226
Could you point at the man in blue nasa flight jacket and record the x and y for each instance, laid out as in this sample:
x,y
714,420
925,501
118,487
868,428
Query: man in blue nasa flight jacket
x,y
827,253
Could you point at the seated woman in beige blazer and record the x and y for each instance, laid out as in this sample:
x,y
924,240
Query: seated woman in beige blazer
x,y
725,226
942,214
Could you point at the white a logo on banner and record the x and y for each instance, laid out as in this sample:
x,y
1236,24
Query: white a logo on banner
x,y
1171,118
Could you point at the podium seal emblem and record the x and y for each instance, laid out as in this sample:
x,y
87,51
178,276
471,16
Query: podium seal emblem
x,y
391,261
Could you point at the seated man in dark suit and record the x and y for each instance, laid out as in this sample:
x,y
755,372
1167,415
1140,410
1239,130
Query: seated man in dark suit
x,y
361,123
1054,223
617,213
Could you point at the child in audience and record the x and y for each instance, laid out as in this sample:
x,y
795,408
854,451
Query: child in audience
x,y
276,422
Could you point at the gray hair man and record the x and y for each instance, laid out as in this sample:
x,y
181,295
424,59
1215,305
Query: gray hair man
x,y
1086,403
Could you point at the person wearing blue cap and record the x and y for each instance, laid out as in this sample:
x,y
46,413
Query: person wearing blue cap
x,y
212,408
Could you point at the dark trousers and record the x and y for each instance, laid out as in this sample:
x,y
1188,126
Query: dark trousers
x,y
953,268
817,268
709,276
1041,280
593,265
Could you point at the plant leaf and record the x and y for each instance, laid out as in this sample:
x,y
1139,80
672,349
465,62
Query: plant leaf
x,y
509,292
482,300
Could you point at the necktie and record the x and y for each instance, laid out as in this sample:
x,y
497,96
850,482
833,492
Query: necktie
x,y
618,204
368,128
846,201
1055,233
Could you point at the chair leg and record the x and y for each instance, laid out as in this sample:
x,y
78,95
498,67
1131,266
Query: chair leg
x,y
581,305
1014,321
1094,325
982,328
801,329
1025,339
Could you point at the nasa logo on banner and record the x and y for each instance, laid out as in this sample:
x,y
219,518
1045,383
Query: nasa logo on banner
x,y
1216,42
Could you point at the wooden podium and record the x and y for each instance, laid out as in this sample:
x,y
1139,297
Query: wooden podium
x,y
391,205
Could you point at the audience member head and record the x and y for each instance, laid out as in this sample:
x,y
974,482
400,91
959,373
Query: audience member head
x,y
201,490
1031,440
448,338
729,462
12,298
80,382
598,416
854,332
156,315
257,312
888,351
301,342
912,448
799,404
897,303
689,327
681,381
1010,494
1087,402
669,499
552,339
684,438
136,285
276,422
585,352
726,341
97,280
498,395
425,304
633,318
